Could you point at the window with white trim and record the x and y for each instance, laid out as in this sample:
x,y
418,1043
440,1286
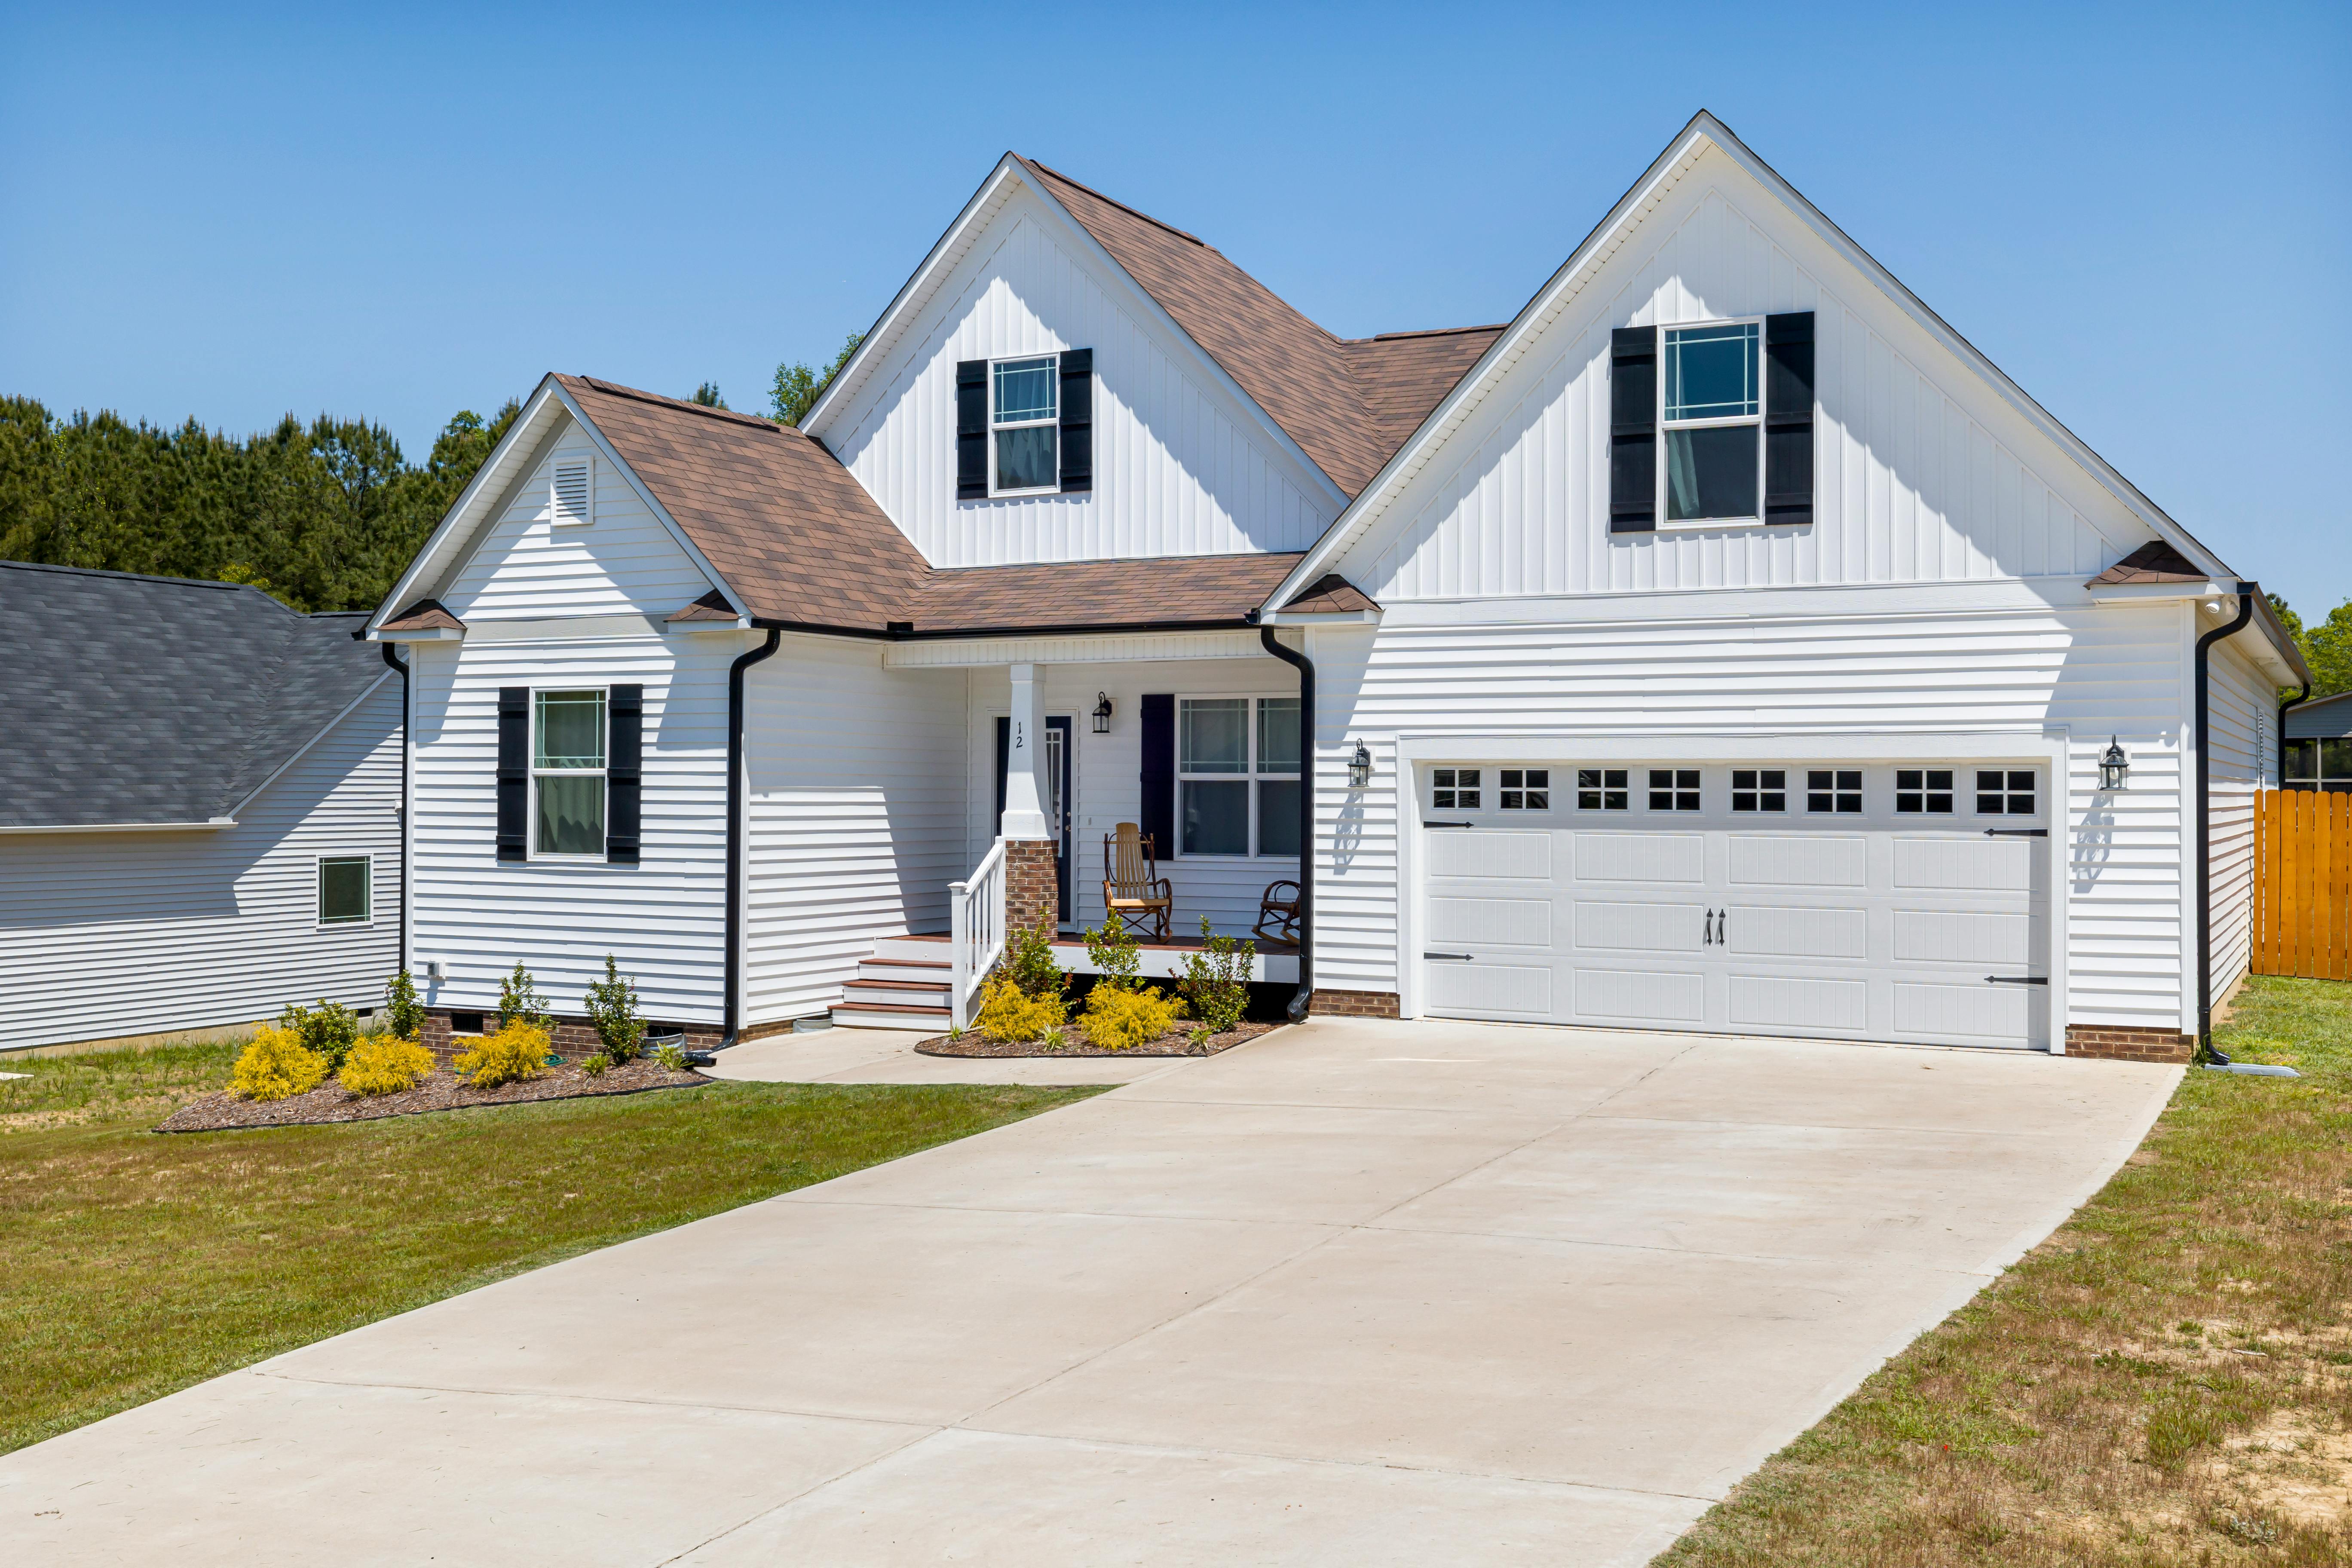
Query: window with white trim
x,y
1023,414
1711,418
567,774
1602,789
346,890
2005,792
1673,789
1834,790
1237,775
1454,789
1923,791
1523,789
1759,789
572,495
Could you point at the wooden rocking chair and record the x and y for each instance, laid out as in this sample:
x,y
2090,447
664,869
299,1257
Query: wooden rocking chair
x,y
1133,889
1273,908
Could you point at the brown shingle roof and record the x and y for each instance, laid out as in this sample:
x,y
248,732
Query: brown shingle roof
x,y
1164,590
2155,562
425,615
711,606
793,533
1349,403
1329,593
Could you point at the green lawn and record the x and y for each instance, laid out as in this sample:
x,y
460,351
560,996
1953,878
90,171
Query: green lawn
x,y
134,1263
2167,1380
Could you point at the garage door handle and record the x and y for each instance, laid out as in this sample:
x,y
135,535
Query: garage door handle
x,y
2017,832
2018,979
1456,957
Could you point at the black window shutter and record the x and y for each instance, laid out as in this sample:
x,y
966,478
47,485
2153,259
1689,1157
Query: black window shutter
x,y
1634,430
1157,816
971,428
623,772
1789,418
1078,420
514,771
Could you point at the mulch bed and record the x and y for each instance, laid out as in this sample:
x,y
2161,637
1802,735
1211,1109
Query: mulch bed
x,y
442,1090
1176,1042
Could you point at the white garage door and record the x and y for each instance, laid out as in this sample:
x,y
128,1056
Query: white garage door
x,y
1862,901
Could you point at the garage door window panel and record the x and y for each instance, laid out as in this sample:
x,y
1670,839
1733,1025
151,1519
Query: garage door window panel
x,y
1759,789
1603,789
1523,789
1673,789
1454,789
1834,790
1923,792
2005,792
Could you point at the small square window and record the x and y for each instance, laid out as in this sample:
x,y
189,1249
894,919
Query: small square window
x,y
1759,789
1523,789
2005,792
1837,790
1673,789
1923,791
1601,789
345,896
1454,789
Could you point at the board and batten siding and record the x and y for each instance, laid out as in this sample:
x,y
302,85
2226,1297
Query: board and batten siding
x,y
1182,468
1106,779
1782,668
1923,473
854,815
109,934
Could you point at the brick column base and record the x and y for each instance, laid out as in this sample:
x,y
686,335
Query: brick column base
x,y
2101,1043
1354,1004
1032,892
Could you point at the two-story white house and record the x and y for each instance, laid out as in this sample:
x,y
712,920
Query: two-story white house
x,y
1721,644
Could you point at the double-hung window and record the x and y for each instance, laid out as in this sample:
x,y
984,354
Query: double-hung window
x,y
1237,774
567,773
1711,417
1023,422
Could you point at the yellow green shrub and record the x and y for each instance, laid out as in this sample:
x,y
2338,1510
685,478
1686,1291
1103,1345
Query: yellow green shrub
x,y
275,1065
516,1052
379,1064
1118,1019
1005,1013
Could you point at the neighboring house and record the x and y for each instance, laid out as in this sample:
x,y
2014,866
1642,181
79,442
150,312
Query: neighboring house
x,y
199,806
2318,752
1722,644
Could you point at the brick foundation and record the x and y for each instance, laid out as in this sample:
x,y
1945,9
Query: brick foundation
x,y
2101,1043
571,1038
1354,1004
1033,894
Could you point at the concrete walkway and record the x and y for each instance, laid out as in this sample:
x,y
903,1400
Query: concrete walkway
x,y
1356,1293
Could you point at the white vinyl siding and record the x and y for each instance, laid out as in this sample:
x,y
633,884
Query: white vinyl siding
x,y
1922,473
1780,670
854,815
107,934
1179,466
2241,709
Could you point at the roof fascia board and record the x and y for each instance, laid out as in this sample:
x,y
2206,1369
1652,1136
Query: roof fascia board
x,y
429,634
304,749
2156,593
653,502
1320,617
457,520
1704,130
210,825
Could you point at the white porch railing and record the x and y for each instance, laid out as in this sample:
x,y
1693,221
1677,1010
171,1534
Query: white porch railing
x,y
976,932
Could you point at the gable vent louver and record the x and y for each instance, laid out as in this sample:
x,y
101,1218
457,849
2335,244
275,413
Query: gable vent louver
x,y
570,493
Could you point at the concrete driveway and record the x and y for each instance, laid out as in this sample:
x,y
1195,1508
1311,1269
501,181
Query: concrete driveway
x,y
1357,1293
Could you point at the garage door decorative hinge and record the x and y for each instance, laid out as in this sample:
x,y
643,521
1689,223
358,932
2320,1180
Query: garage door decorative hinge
x,y
1446,825
1456,957
2017,832
2018,979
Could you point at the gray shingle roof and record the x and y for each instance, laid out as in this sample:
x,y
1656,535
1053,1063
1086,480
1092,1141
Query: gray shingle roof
x,y
154,699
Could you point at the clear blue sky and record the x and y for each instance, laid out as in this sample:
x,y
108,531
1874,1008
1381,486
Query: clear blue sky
x,y
2142,213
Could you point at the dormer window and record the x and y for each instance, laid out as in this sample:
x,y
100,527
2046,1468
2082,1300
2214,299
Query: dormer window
x,y
1022,423
1712,415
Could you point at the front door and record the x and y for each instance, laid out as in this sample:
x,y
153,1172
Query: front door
x,y
1058,802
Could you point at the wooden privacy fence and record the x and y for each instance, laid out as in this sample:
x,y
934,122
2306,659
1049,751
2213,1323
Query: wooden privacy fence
x,y
2303,884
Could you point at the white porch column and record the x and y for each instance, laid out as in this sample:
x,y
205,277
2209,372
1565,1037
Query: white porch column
x,y
1025,800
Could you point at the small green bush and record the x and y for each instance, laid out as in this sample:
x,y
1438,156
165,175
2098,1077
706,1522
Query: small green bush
x,y
517,1051
404,1013
1216,982
326,1030
595,1065
383,1064
1118,961
519,1001
1029,962
671,1056
1120,1020
612,1008
277,1065
1008,1014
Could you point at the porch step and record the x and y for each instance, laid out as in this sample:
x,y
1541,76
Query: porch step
x,y
895,992
888,1016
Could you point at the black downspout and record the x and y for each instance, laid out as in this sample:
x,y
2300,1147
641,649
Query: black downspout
x,y
391,657
2205,1051
734,968
1304,997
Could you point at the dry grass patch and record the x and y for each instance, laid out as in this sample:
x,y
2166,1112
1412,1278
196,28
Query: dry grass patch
x,y
2167,1382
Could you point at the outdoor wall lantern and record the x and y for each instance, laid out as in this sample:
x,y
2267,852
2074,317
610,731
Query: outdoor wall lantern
x,y
1102,713
1360,768
2114,768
